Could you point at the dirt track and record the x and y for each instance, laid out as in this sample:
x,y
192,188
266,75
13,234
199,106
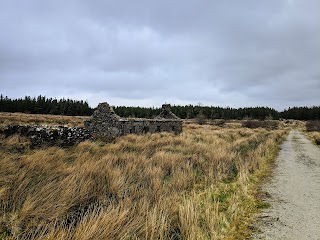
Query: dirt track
x,y
293,192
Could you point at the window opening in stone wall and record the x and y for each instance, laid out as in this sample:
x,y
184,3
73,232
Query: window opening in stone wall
x,y
132,129
145,129
158,129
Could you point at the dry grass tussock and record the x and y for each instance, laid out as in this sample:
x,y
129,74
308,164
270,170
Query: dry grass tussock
x,y
315,137
270,124
312,129
196,185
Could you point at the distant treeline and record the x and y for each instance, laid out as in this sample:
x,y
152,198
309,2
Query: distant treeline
x,y
43,105
191,111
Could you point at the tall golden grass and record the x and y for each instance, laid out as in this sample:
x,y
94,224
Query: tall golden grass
x,y
315,137
312,130
200,184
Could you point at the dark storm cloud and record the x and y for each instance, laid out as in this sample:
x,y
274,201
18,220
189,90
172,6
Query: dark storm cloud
x,y
229,53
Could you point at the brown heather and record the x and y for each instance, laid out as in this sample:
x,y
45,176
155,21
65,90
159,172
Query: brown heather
x,y
200,184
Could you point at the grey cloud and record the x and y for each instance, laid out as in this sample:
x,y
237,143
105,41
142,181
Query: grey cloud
x,y
236,53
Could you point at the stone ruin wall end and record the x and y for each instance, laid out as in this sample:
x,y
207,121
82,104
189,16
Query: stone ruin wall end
x,y
106,124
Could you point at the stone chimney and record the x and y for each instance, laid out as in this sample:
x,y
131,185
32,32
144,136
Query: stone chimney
x,y
104,111
166,113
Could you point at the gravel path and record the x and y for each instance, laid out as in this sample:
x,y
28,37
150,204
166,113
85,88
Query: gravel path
x,y
294,193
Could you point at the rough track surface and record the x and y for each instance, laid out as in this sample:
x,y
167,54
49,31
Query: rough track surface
x,y
294,193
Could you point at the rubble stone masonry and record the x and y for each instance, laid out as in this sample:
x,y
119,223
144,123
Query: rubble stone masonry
x,y
105,123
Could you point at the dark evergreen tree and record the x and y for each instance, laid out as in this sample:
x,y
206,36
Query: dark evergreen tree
x,y
43,105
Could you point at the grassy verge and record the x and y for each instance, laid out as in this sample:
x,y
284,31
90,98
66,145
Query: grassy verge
x,y
201,184
315,137
312,130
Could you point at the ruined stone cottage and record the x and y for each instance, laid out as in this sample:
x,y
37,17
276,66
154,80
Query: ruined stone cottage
x,y
106,123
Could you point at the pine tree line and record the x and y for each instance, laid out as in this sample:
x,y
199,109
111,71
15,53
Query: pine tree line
x,y
302,113
43,105
191,111
137,112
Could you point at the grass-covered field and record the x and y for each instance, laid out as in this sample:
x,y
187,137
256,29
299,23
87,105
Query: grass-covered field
x,y
40,119
201,184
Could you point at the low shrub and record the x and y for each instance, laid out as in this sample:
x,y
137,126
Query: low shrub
x,y
313,126
220,122
200,119
269,124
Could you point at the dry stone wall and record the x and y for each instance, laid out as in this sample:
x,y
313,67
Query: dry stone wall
x,y
49,136
104,123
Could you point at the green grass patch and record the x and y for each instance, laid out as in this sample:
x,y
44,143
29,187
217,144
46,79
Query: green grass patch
x,y
263,205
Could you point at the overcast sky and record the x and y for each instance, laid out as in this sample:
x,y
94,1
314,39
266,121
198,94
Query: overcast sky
x,y
226,53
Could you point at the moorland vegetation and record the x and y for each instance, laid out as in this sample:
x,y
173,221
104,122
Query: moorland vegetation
x,y
200,184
